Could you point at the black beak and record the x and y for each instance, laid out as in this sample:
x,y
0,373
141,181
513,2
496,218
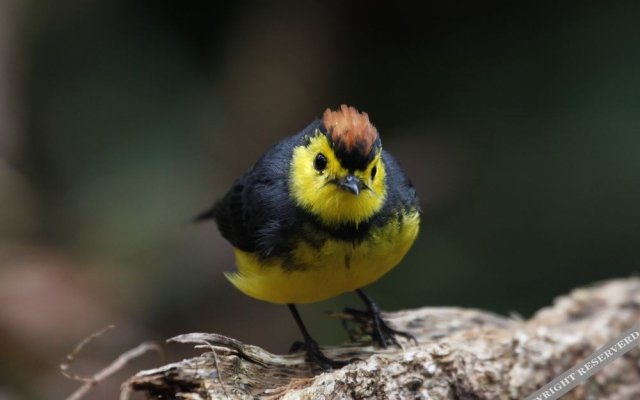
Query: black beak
x,y
351,183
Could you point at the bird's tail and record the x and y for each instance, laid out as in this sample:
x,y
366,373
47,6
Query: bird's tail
x,y
205,215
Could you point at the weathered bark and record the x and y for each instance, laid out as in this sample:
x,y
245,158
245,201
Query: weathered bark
x,y
462,354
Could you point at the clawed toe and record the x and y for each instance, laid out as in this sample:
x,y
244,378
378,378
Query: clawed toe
x,y
389,335
311,347
314,355
296,347
373,323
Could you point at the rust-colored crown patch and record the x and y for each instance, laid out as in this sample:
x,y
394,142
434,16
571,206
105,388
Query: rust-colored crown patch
x,y
350,129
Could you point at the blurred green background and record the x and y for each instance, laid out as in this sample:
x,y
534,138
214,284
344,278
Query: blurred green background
x,y
119,121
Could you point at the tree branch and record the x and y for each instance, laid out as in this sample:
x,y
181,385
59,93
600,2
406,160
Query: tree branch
x,y
461,354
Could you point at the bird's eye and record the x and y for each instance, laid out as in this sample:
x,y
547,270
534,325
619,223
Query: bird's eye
x,y
374,170
320,163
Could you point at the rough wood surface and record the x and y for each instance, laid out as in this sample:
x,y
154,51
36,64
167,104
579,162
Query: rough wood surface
x,y
461,354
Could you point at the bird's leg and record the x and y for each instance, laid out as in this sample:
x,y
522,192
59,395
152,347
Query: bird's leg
x,y
382,332
311,346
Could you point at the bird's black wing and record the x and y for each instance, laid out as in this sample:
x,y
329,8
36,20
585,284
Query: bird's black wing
x,y
400,191
257,214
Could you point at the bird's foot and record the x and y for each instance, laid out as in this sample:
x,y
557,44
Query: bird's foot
x,y
316,356
380,331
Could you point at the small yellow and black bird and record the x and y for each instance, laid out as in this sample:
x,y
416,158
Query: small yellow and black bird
x,y
321,213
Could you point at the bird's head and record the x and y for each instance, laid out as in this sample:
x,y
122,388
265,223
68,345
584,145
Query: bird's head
x,y
338,174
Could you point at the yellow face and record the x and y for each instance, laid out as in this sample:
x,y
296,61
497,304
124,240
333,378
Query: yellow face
x,y
320,185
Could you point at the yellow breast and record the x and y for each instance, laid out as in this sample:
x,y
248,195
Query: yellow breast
x,y
333,268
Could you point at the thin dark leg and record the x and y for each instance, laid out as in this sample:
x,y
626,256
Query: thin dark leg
x,y
382,332
311,346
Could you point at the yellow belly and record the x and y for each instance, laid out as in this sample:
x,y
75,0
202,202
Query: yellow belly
x,y
334,268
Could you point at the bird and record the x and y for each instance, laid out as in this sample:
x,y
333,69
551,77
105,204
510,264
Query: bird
x,y
323,212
